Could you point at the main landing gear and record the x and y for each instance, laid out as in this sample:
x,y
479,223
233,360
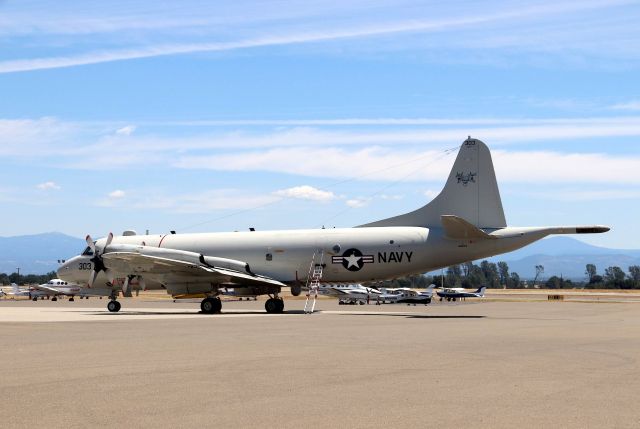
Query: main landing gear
x,y
211,305
274,305
113,306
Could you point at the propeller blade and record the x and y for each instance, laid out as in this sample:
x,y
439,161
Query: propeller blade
x,y
90,243
92,278
109,240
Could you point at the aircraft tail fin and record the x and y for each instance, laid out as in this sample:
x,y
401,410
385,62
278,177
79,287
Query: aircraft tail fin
x,y
15,288
471,193
480,291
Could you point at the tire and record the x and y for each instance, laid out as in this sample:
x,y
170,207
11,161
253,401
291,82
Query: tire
x,y
113,306
271,305
280,305
211,305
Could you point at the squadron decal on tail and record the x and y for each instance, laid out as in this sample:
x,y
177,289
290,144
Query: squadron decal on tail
x,y
466,178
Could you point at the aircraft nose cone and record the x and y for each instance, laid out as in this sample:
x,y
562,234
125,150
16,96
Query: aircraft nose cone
x,y
64,271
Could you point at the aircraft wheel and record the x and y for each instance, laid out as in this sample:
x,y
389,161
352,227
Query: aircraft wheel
x,y
113,306
280,305
272,305
34,298
55,298
211,305
71,299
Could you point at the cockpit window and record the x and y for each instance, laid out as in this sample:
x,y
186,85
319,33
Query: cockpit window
x,y
87,251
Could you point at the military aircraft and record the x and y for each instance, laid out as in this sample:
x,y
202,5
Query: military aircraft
x,y
452,294
464,222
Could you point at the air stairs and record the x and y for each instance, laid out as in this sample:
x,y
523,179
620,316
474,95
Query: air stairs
x,y
313,281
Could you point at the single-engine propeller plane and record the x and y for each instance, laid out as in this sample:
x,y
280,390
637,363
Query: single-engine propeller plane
x,y
452,294
464,222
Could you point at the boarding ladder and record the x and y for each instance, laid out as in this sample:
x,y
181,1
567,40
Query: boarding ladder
x,y
313,281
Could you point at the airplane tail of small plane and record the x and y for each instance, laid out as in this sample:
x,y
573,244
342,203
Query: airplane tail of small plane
x,y
15,288
481,291
471,193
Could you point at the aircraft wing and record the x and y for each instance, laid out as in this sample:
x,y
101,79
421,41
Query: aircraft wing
x,y
169,270
47,289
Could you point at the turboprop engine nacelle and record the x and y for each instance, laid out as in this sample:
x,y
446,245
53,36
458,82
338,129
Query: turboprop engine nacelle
x,y
230,264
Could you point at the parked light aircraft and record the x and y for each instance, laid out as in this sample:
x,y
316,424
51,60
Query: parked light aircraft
x,y
464,222
349,293
58,287
16,291
452,294
405,295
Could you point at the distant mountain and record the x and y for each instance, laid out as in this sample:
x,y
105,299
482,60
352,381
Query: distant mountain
x,y
564,256
559,245
568,266
37,254
567,257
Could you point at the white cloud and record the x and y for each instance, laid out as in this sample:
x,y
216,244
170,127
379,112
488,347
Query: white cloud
x,y
374,163
631,105
430,193
318,33
46,186
306,193
357,203
581,194
406,154
117,194
390,197
126,131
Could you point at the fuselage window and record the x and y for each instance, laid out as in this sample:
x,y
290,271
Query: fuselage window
x,y
269,257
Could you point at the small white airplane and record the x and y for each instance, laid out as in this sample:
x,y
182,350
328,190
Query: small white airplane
x,y
452,294
58,287
464,222
405,295
16,291
349,293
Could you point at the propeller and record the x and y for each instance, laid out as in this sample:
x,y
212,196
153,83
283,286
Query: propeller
x,y
98,262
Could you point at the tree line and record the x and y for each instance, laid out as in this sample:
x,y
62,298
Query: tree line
x,y
497,275
467,275
21,279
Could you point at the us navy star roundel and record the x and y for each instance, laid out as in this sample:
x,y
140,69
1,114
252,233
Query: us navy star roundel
x,y
352,259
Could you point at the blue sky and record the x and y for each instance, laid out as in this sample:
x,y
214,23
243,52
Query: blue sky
x,y
214,116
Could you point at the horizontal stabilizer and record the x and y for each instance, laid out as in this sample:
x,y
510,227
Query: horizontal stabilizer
x,y
459,229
